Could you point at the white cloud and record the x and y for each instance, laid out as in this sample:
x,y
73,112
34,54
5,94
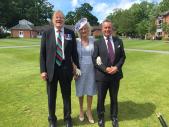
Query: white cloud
x,y
102,10
91,2
77,3
74,3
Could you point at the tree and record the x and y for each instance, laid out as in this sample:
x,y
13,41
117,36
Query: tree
x,y
152,26
154,12
134,21
84,11
123,21
163,5
142,28
69,19
36,11
165,28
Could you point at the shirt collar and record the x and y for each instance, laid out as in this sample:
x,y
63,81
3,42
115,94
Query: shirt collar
x,y
110,37
62,29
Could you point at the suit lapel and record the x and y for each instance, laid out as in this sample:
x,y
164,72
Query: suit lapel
x,y
104,46
53,38
65,41
115,44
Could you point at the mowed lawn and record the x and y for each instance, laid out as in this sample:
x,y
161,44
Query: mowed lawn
x,y
144,89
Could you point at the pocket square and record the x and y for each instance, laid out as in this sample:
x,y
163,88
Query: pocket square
x,y
118,46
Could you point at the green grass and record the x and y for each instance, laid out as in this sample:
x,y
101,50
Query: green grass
x,y
144,89
19,42
146,44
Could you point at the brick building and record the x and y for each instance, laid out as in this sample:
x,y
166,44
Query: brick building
x,y
26,29
96,31
163,18
23,30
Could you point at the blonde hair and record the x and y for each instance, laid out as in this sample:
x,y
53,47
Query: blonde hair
x,y
89,29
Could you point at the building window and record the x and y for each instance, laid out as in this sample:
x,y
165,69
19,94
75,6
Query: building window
x,y
160,21
21,34
159,33
39,33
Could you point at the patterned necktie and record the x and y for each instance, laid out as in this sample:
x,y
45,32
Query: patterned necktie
x,y
110,51
59,53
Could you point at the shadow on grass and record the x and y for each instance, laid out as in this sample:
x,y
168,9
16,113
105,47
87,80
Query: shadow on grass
x,y
128,110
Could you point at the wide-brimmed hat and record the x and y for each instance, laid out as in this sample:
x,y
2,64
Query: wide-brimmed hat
x,y
80,24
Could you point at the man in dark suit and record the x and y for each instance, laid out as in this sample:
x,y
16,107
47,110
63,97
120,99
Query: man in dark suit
x,y
108,58
58,51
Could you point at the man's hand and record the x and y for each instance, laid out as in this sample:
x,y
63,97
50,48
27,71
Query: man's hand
x,y
44,76
111,70
108,70
74,68
114,69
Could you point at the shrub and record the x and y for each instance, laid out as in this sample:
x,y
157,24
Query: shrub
x,y
158,38
4,35
166,38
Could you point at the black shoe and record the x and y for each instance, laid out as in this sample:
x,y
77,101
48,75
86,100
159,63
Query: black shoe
x,y
69,123
101,123
115,122
52,124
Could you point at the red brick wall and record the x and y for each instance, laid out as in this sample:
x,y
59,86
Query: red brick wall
x,y
97,33
26,33
15,33
33,34
166,19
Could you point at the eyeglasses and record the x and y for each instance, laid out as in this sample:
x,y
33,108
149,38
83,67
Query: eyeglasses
x,y
59,18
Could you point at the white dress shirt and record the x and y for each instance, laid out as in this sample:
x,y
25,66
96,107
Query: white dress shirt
x,y
111,40
62,39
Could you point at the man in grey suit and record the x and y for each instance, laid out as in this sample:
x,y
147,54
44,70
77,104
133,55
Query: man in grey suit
x,y
58,51
108,58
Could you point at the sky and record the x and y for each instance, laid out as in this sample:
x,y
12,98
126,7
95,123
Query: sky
x,y
101,8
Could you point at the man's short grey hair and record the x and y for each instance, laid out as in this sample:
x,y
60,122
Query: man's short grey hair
x,y
57,11
108,20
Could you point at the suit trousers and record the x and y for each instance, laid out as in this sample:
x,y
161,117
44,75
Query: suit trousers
x,y
61,75
113,86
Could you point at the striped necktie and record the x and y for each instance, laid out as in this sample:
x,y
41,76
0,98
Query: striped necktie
x,y
110,51
59,53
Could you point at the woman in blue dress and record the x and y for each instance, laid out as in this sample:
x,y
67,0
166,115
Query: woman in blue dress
x,y
85,84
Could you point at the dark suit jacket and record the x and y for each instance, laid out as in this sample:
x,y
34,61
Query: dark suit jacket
x,y
48,52
100,49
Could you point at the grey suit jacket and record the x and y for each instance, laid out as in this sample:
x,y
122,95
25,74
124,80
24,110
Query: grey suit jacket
x,y
100,49
48,52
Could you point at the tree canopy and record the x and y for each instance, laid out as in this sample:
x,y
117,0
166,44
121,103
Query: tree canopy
x,y
139,19
36,11
84,11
